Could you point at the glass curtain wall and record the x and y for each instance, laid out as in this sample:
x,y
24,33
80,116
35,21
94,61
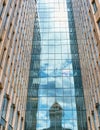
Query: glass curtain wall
x,y
55,94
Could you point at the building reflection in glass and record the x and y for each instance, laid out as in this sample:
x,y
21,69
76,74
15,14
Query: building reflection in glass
x,y
55,114
33,86
55,77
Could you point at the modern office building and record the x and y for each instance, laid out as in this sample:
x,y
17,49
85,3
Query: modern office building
x,y
55,77
50,65
16,34
87,22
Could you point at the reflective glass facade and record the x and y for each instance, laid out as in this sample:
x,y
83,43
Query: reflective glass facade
x,y
55,95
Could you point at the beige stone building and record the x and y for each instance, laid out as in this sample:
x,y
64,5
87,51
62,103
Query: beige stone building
x,y
87,21
16,33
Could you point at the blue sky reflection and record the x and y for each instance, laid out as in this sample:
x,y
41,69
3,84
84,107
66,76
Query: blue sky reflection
x,y
56,73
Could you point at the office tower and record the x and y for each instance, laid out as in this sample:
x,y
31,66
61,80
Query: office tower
x,y
16,33
55,77
87,22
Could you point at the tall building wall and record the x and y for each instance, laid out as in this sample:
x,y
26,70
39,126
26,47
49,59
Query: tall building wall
x,y
87,17
16,33
94,12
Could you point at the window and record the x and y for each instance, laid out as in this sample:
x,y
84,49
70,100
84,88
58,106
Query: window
x,y
98,111
90,123
2,8
4,107
11,114
98,23
21,124
16,122
94,7
95,120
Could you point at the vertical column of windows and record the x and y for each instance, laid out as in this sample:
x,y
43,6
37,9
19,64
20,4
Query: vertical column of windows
x,y
3,112
16,121
4,107
2,8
